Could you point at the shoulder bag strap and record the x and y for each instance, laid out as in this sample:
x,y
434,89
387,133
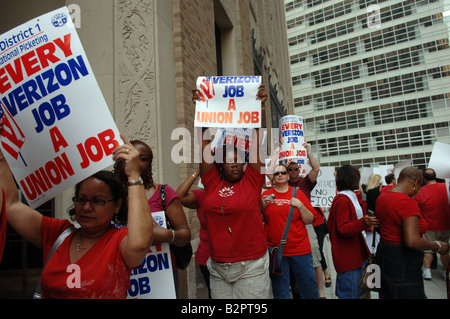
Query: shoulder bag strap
x,y
289,219
58,242
163,203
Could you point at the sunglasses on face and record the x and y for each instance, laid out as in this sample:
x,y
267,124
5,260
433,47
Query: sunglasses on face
x,y
280,173
293,169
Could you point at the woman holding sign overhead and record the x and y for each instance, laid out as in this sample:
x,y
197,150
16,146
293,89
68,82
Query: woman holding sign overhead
x,y
95,259
239,262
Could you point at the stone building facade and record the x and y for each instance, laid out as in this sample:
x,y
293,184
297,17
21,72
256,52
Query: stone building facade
x,y
147,55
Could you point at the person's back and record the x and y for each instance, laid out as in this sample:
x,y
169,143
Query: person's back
x,y
433,203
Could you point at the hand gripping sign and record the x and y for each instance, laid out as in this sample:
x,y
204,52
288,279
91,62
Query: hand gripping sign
x,y
228,101
154,279
57,127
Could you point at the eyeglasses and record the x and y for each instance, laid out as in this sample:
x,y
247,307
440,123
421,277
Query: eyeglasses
x,y
293,169
278,173
96,202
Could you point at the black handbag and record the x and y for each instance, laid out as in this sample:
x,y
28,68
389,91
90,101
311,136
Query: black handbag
x,y
276,253
183,254
325,230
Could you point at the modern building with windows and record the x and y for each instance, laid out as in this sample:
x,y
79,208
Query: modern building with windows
x,y
371,78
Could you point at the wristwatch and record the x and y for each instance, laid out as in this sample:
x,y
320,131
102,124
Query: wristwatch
x,y
136,182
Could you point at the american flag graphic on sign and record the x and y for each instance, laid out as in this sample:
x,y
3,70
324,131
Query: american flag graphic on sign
x,y
206,89
12,137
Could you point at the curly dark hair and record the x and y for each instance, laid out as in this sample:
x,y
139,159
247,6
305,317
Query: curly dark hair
x,y
146,176
117,191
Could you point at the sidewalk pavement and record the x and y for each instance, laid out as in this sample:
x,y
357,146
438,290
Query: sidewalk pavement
x,y
434,289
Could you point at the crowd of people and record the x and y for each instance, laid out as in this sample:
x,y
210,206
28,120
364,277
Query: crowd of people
x,y
241,221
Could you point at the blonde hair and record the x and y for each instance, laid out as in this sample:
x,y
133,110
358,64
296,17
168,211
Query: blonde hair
x,y
374,182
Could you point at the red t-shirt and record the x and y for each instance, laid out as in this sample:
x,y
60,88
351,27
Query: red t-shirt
x,y
386,188
103,273
391,209
433,202
275,217
234,221
202,253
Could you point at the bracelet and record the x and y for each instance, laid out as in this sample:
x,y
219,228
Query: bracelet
x,y
173,236
136,182
439,246
194,175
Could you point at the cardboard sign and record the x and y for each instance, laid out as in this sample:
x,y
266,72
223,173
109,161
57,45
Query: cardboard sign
x,y
228,101
57,127
154,279
439,160
323,193
292,139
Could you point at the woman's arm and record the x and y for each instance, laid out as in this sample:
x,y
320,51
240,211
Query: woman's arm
x,y
306,215
181,234
186,197
412,238
25,220
136,244
207,155
254,151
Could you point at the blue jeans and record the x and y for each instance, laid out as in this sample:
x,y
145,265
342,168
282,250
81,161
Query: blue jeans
x,y
302,266
347,283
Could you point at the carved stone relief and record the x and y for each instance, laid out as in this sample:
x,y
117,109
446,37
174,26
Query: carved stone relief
x,y
135,82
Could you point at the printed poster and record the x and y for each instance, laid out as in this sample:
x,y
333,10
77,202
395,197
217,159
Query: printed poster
x,y
292,139
57,126
154,279
228,101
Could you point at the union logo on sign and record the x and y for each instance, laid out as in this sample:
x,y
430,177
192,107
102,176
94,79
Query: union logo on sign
x,y
59,20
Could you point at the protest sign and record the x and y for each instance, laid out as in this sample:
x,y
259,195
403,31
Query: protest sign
x,y
154,279
239,138
365,173
384,170
57,127
323,193
439,160
292,139
228,101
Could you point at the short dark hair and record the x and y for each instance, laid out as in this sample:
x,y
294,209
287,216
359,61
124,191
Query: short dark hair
x,y
117,191
389,178
347,178
429,174
410,173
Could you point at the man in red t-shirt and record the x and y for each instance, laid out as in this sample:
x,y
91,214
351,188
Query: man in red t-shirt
x,y
434,206
390,181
